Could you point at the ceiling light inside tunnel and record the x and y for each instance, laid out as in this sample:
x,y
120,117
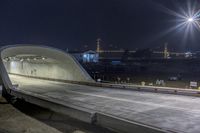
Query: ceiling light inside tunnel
x,y
22,60
43,58
6,59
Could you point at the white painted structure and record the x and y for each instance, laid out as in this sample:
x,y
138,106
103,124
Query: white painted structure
x,y
40,61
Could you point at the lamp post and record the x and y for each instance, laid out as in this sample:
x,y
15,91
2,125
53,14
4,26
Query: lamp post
x,y
194,21
190,20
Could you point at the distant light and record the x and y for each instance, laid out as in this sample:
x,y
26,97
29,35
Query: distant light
x,y
34,59
85,55
43,58
28,59
22,60
188,54
190,19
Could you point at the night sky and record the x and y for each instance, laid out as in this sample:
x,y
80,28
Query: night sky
x,y
75,24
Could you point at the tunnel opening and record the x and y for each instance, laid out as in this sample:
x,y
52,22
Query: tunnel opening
x,y
37,67
40,62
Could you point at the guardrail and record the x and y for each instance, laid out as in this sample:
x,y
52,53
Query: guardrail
x,y
122,125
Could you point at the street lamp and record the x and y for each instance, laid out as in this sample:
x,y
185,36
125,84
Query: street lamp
x,y
187,19
190,20
194,21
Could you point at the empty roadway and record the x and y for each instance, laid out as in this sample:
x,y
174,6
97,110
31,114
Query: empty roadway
x,y
167,111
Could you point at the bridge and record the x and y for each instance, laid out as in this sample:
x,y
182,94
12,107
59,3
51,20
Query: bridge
x,y
53,79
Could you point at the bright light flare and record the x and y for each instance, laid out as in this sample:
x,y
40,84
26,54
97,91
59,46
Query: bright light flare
x,y
190,19
187,19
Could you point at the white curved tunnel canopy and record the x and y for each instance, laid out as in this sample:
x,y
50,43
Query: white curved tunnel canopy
x,y
40,61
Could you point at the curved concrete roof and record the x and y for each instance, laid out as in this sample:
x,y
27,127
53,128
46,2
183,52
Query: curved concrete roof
x,y
77,73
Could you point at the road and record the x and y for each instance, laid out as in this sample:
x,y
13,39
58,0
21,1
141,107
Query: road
x,y
171,112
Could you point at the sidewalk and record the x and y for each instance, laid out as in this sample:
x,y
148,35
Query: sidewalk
x,y
13,121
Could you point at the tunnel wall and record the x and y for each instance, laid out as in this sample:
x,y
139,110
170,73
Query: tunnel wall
x,y
65,66
46,70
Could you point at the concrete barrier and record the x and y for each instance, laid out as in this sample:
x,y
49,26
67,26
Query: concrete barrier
x,y
123,125
69,109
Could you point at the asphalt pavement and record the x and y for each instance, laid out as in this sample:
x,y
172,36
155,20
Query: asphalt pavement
x,y
175,113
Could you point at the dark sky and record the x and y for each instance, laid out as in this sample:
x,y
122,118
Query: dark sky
x,y
71,24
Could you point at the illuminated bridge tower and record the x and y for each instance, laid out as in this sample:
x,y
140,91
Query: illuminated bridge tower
x,y
98,45
166,52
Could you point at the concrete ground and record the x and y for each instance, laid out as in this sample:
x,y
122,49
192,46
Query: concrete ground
x,y
170,112
14,121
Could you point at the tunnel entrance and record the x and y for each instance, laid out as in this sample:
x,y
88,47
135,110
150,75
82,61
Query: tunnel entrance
x,y
40,62
36,66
